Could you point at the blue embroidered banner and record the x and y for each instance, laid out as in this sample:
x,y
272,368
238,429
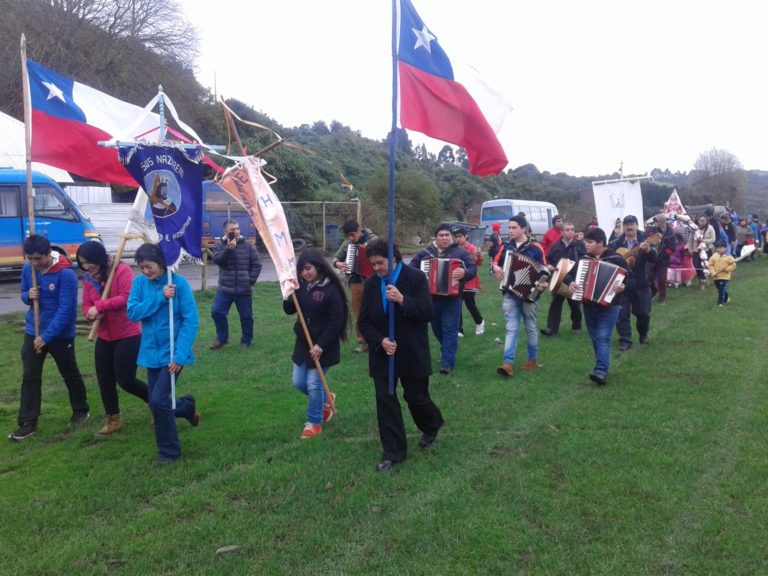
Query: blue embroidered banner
x,y
173,181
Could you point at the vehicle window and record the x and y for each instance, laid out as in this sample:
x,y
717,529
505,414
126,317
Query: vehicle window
x,y
50,204
221,201
9,202
497,212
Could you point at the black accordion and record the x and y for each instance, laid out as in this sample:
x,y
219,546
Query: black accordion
x,y
521,275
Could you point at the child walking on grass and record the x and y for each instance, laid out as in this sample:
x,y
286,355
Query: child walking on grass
x,y
720,267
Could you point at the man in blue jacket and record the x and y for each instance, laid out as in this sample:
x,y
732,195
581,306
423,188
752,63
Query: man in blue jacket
x,y
447,309
239,267
56,294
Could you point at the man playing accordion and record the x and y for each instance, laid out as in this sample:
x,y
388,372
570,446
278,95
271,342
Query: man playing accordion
x,y
513,306
356,271
447,308
599,318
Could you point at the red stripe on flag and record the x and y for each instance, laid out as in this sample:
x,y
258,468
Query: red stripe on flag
x,y
72,146
443,109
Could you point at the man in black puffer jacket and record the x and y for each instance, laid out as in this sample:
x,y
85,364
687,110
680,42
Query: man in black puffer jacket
x,y
239,267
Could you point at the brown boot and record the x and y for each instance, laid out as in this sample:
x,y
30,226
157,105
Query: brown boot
x,y
114,423
531,365
505,370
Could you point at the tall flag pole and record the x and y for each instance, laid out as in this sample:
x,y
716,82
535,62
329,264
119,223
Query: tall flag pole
x,y
391,206
30,188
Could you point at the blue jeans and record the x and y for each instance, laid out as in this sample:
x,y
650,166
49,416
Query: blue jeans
x,y
166,434
307,381
600,321
221,305
445,327
514,309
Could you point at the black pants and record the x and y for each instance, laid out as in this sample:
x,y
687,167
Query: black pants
x,y
469,302
556,311
116,365
63,352
637,302
425,413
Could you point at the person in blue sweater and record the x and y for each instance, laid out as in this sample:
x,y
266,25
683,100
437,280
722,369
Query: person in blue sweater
x,y
148,304
56,294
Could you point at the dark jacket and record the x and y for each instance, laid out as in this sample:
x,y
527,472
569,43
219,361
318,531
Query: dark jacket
x,y
612,257
239,268
573,251
643,262
323,310
412,357
453,251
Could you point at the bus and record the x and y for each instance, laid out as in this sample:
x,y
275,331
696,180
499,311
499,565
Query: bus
x,y
57,217
499,210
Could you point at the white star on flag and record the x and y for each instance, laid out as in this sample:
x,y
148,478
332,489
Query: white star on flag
x,y
423,38
54,91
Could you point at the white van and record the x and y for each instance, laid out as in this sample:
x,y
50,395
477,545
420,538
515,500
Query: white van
x,y
498,211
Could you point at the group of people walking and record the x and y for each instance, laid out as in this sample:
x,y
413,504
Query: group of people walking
x,y
134,323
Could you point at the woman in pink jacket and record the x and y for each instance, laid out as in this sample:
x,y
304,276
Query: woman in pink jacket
x,y
117,345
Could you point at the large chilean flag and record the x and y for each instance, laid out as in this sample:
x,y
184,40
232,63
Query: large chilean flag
x,y
69,118
434,103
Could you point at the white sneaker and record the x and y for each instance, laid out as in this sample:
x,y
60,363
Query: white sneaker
x,y
480,328
461,334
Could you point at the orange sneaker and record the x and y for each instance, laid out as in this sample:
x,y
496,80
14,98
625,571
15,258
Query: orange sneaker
x,y
311,430
327,412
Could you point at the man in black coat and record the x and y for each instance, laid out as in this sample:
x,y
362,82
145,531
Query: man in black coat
x,y
638,293
409,294
568,248
239,267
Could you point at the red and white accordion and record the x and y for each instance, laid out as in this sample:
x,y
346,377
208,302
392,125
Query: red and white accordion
x,y
439,273
521,275
357,261
597,281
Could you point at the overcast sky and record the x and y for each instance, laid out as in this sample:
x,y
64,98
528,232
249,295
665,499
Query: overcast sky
x,y
592,83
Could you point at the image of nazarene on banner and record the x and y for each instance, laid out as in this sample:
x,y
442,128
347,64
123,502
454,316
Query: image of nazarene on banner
x,y
172,178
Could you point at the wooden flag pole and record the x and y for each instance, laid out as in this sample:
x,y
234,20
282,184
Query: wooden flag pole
x,y
30,189
268,242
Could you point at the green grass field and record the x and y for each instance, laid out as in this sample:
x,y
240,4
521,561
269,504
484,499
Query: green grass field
x,y
661,472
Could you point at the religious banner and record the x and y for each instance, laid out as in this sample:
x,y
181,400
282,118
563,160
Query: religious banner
x,y
615,199
246,183
172,178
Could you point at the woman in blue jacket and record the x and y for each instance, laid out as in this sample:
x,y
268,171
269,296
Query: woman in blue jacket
x,y
148,303
324,306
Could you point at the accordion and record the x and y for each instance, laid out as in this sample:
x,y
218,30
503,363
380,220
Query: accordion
x,y
357,262
439,273
521,275
597,281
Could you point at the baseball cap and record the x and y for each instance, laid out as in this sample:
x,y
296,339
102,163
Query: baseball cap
x,y
630,219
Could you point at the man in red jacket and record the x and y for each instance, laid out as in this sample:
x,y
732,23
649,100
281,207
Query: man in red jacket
x,y
552,235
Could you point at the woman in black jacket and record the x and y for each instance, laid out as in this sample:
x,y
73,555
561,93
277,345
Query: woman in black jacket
x,y
324,306
409,294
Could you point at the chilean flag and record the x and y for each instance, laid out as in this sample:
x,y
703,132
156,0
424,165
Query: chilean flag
x,y
69,118
434,103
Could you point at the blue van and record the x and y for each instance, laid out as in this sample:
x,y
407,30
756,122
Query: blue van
x,y
218,207
57,216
